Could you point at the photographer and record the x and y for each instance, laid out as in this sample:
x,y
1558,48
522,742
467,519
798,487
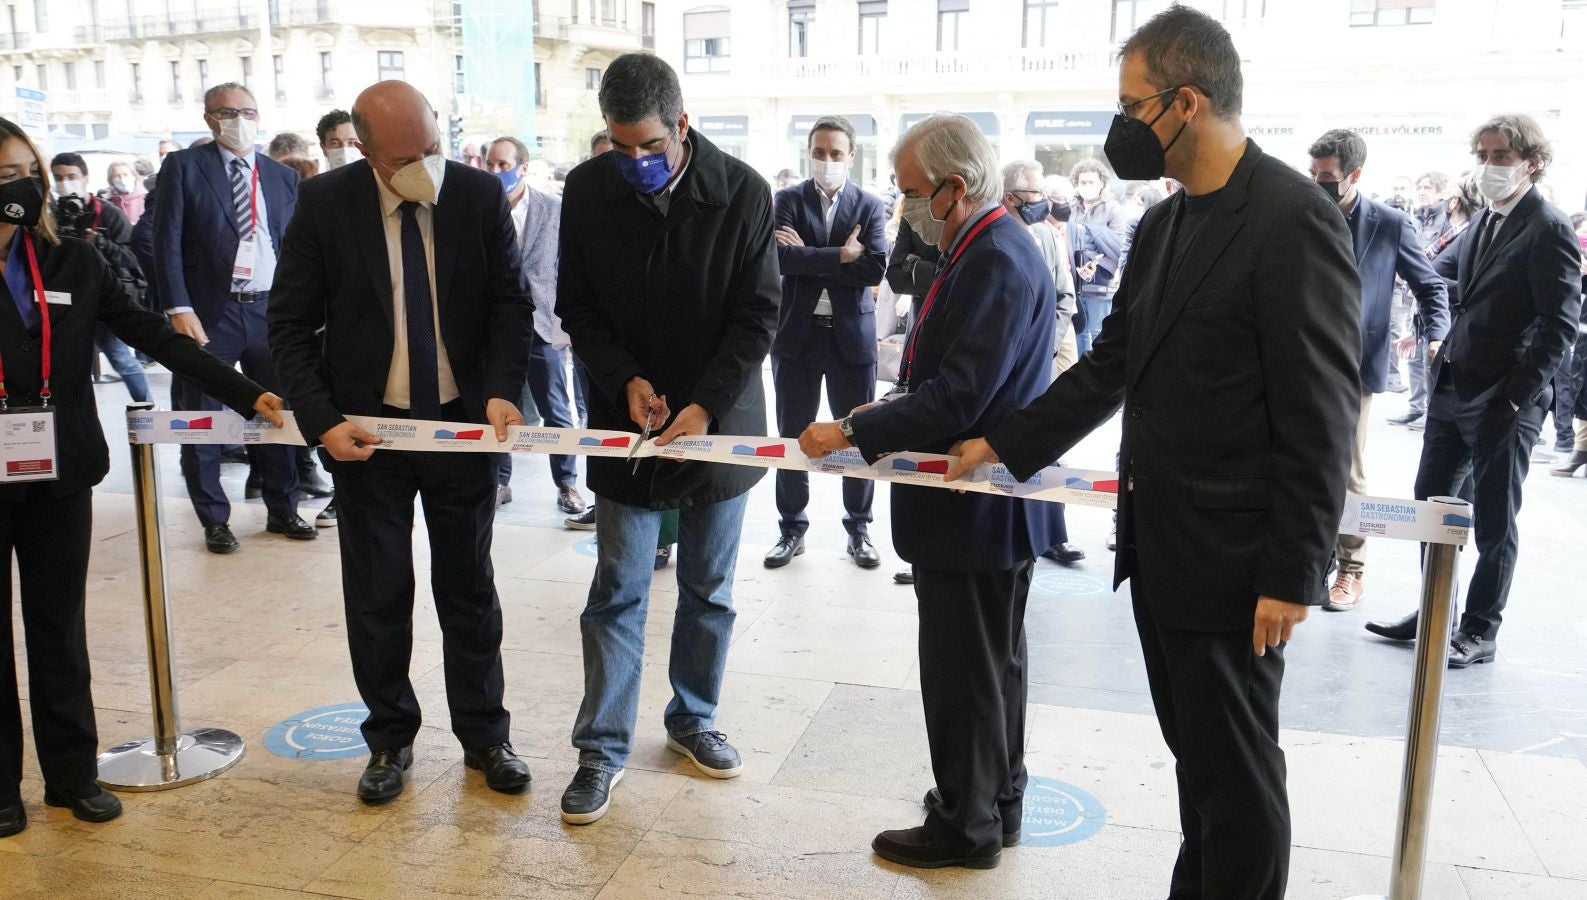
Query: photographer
x,y
81,215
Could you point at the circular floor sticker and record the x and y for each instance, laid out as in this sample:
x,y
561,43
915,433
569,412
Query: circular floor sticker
x,y
329,732
1057,814
586,548
1065,583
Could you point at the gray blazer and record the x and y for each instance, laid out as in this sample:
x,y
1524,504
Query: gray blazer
x,y
537,248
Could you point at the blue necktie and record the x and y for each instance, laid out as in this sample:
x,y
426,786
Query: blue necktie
x,y
424,384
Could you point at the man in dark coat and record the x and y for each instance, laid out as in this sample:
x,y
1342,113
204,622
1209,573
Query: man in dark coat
x,y
667,286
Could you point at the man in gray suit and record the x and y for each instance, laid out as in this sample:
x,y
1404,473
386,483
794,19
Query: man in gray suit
x,y
536,216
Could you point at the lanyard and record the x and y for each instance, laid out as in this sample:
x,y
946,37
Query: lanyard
x,y
253,200
931,295
44,328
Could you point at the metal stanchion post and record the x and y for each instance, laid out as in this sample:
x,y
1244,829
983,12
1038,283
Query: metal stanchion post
x,y
1439,570
171,758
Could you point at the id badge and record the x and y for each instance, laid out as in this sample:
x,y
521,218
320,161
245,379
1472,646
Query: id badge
x,y
27,444
247,252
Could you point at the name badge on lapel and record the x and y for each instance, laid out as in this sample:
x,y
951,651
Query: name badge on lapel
x,y
27,444
247,253
58,298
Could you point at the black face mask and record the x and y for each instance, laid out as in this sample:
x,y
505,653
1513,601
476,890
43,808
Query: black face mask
x,y
1132,148
1060,211
1334,189
22,201
1033,212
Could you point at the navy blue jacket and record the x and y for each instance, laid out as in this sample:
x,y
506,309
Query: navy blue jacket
x,y
808,270
195,227
984,351
1386,245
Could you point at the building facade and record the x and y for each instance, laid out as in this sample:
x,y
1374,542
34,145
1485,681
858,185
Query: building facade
x,y
1040,78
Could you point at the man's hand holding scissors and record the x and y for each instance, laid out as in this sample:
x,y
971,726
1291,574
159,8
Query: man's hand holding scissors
x,y
646,409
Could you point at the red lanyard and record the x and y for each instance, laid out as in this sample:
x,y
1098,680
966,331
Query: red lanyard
x,y
931,295
253,198
98,210
44,327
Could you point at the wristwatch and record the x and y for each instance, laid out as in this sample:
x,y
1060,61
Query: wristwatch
x,y
846,425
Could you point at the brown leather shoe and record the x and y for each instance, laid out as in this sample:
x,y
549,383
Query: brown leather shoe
x,y
1346,592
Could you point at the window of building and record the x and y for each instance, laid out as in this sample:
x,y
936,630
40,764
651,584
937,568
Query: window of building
x,y
459,85
390,62
1244,10
872,12
1041,24
540,90
706,47
281,76
592,79
610,13
69,69
951,15
1391,12
801,13
41,16
137,82
1129,15
247,71
43,71
325,74
99,74
176,81
647,25
203,74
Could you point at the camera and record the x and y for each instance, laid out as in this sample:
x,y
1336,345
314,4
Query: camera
x,y
69,213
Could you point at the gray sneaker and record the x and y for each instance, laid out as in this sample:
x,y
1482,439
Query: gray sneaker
x,y
710,752
588,795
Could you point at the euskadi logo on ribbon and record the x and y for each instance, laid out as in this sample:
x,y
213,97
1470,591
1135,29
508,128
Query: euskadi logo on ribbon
x,y
842,462
204,424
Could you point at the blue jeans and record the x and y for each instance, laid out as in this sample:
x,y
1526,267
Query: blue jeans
x,y
546,391
125,364
1097,307
613,624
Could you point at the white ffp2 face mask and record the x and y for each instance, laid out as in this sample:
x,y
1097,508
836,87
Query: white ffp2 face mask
x,y
239,135
420,180
828,174
336,157
70,187
1499,182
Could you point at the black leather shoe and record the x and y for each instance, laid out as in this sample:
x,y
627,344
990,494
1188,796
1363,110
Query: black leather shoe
x,y
310,484
102,806
788,546
253,488
1066,555
219,539
569,500
294,528
13,818
384,777
1469,650
1011,836
327,516
1403,630
904,576
504,771
914,847
863,553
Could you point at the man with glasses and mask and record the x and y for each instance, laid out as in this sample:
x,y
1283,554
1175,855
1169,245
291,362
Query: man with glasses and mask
x,y
1234,350
667,284
401,297
832,251
219,217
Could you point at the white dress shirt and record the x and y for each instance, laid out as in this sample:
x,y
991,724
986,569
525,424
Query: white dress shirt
x,y
397,375
1506,208
829,214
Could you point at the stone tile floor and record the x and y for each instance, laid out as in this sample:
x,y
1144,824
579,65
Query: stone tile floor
x,y
821,697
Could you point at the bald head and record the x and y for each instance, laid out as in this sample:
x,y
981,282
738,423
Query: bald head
x,y
395,126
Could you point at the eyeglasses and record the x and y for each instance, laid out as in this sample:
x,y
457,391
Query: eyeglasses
x,y
227,112
1124,108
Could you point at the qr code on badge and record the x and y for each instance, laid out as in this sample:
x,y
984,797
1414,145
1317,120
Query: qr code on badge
x,y
38,427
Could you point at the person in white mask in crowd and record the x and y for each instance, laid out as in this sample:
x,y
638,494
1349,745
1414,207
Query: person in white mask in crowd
x,y
337,139
419,259
832,250
219,216
125,192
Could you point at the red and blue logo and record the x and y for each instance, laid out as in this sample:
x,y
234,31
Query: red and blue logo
x,y
204,424
776,451
926,466
604,442
1106,486
443,434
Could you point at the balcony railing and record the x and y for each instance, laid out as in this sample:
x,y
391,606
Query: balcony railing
x,y
135,97
898,68
217,21
607,33
16,40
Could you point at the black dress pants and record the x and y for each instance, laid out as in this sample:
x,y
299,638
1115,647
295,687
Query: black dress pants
x,y
374,500
1217,705
972,683
797,381
50,537
1480,450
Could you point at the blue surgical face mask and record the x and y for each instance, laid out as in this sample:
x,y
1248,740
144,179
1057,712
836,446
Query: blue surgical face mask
x,y
647,174
510,179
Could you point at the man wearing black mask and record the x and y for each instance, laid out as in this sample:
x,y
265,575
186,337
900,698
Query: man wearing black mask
x,y
1234,349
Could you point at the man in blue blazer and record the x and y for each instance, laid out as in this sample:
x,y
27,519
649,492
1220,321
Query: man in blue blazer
x,y
981,349
219,216
832,251
1386,245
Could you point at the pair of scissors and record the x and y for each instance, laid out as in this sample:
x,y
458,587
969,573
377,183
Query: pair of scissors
x,y
645,436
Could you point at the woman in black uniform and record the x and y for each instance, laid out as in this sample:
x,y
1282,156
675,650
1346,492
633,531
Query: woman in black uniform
x,y
52,294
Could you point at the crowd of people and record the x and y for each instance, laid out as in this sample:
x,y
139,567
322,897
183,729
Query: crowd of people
x,y
1241,312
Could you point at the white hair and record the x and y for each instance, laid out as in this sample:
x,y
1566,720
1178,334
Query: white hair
x,y
1022,175
945,144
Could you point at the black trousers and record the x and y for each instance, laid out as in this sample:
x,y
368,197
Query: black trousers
x,y
374,502
1480,451
50,537
1217,705
972,684
797,381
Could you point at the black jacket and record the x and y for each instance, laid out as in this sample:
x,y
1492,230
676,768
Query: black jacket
x,y
1241,384
687,301
333,274
111,234
911,276
1516,313
97,298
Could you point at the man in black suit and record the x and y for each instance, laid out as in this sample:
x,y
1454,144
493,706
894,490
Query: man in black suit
x,y
1234,347
832,251
409,264
1519,270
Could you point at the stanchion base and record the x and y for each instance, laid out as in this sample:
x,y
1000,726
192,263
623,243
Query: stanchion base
x,y
138,766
